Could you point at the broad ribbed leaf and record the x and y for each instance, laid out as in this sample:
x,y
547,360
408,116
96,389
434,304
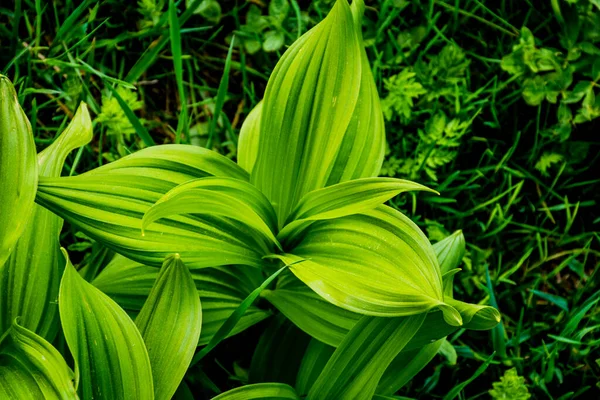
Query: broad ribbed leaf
x,y
362,150
221,289
108,204
225,197
30,278
260,391
405,366
30,368
342,199
315,358
247,149
375,263
312,313
170,323
111,360
279,352
356,366
308,105
18,169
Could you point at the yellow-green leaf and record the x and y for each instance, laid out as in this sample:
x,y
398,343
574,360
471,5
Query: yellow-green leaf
x,y
221,289
247,149
342,199
308,105
260,391
111,360
224,197
18,169
30,368
30,278
357,365
108,205
170,323
375,263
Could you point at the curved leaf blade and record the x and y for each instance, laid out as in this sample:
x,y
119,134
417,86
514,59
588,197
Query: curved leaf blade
x,y
18,169
307,109
30,278
260,391
343,199
357,365
224,197
170,323
110,356
108,204
376,263
248,141
222,290
31,368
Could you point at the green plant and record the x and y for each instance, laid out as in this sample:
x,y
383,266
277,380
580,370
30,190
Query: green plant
x,y
301,217
511,386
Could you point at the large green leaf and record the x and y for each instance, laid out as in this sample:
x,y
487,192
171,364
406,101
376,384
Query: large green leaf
x,y
108,204
308,106
221,289
279,352
30,368
311,312
260,391
247,149
224,197
111,360
342,199
18,169
375,263
30,278
356,366
315,358
170,323
405,366
362,150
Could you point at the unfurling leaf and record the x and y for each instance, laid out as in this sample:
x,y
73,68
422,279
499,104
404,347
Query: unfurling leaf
x,y
170,323
30,368
111,361
312,131
18,169
30,278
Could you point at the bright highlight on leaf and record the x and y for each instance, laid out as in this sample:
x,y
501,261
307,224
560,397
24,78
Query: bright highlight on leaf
x,y
111,361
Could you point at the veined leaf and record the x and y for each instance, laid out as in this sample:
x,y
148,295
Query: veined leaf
x,y
30,368
224,197
308,104
221,289
450,252
362,150
247,149
312,313
260,391
376,263
111,360
405,366
108,205
342,199
18,169
30,278
315,358
358,363
279,352
170,323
